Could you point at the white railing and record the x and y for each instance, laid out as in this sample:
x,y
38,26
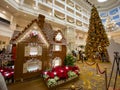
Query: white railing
x,y
30,10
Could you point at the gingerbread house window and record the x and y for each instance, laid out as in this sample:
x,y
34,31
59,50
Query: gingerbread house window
x,y
56,62
57,48
32,65
58,37
33,50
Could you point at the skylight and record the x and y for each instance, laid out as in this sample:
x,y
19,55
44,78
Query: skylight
x,y
102,0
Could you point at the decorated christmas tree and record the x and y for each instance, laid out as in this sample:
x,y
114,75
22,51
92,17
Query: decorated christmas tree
x,y
97,39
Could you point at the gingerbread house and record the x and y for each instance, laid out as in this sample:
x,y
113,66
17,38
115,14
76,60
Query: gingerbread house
x,y
38,47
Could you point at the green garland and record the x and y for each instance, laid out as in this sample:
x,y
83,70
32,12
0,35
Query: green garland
x,y
77,8
78,24
62,18
70,21
71,4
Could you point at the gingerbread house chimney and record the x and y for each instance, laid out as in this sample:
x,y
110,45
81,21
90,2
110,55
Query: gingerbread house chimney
x,y
41,20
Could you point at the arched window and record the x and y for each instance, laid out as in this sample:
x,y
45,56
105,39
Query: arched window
x,y
32,65
56,62
58,37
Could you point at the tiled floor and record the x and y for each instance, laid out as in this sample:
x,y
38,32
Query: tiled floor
x,y
88,79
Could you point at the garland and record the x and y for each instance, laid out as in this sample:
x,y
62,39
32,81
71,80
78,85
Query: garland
x,y
78,24
70,21
60,17
71,4
78,9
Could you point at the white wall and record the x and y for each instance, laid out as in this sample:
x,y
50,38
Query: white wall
x,y
5,30
114,47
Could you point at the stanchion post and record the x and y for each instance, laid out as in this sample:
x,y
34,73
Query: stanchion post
x,y
96,68
106,79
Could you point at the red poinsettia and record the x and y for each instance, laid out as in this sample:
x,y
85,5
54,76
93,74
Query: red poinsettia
x,y
61,71
66,68
57,68
77,72
51,74
75,68
7,72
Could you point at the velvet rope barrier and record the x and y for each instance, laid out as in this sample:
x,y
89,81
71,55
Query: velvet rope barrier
x,y
90,64
101,72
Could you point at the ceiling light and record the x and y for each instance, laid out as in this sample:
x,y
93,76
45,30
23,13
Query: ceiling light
x,y
102,0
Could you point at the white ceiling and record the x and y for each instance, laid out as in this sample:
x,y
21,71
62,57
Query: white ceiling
x,y
105,5
101,6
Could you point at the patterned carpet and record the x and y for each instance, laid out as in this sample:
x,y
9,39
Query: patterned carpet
x,y
88,80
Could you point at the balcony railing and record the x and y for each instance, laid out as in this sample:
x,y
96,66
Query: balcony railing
x,y
35,11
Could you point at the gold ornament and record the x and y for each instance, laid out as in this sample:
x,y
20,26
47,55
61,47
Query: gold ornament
x,y
72,87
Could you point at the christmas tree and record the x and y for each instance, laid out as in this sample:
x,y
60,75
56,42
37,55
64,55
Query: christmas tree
x,y
97,39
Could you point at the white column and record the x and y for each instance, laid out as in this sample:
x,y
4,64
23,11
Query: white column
x,y
12,23
74,14
53,10
65,10
70,36
36,3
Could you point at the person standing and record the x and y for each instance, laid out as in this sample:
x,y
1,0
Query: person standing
x,y
103,57
2,83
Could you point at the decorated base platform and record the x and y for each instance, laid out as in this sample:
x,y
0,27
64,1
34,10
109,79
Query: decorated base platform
x,y
60,75
61,82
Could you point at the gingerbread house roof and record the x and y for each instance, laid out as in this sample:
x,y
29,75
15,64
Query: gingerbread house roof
x,y
46,29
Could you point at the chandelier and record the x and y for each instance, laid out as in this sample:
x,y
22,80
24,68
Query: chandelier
x,y
110,25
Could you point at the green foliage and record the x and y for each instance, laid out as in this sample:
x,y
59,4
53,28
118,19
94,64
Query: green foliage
x,y
56,78
71,74
51,82
69,60
45,76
